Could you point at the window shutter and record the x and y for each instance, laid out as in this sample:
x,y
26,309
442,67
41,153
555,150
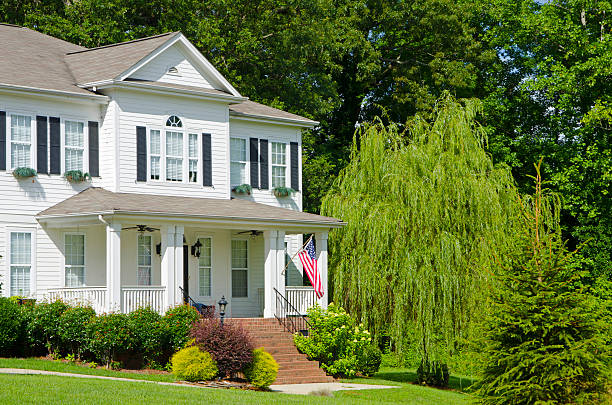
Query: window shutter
x,y
206,160
41,144
295,173
94,149
2,140
55,164
254,162
263,164
141,154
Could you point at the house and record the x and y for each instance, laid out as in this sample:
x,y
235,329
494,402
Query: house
x,y
166,140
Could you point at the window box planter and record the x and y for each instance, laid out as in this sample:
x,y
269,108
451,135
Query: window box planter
x,y
24,172
243,189
281,192
76,176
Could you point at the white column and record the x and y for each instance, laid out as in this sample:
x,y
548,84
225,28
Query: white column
x,y
321,239
280,263
178,263
113,267
270,247
167,264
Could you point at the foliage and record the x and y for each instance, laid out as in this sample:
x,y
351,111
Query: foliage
x,y
281,192
434,374
335,340
73,329
229,345
262,371
11,324
24,172
423,216
110,335
243,189
151,334
369,360
546,338
192,364
179,321
76,176
42,326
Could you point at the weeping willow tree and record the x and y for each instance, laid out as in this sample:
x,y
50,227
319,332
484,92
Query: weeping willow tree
x,y
425,209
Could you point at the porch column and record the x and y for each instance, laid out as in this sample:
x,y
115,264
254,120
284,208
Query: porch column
x,y
178,263
321,239
113,267
270,247
279,281
167,263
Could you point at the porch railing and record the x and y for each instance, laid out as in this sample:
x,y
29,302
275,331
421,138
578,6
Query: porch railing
x,y
289,317
92,296
134,297
301,298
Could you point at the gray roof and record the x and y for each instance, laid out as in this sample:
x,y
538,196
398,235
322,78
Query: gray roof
x,y
251,108
95,200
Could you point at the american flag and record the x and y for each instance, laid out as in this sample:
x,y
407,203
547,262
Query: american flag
x,y
308,257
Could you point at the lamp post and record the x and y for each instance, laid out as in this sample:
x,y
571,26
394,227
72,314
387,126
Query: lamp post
x,y
222,305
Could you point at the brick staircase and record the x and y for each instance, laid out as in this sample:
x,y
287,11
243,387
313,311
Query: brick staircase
x,y
293,366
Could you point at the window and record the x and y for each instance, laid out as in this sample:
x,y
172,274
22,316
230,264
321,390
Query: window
x,y
238,161
193,158
174,156
279,164
21,141
174,121
204,268
155,153
74,252
240,265
21,262
74,142
144,259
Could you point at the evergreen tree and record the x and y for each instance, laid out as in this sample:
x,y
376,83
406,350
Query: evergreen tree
x,y
545,339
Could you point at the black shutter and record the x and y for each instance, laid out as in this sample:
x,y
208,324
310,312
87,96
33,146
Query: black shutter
x,y
141,154
2,140
254,162
295,173
41,144
55,164
206,160
94,149
263,164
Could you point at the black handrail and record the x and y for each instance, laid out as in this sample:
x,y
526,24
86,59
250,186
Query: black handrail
x,y
207,311
288,316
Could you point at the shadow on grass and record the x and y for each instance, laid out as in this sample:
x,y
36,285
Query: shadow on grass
x,y
458,383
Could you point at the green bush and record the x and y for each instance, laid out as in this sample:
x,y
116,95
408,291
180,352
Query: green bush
x,y
73,329
42,325
179,321
192,364
434,374
109,336
151,334
263,370
334,340
11,322
369,359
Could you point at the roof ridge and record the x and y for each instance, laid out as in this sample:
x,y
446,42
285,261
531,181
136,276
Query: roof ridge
x,y
124,43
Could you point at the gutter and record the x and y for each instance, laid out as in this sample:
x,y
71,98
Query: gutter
x,y
273,120
14,89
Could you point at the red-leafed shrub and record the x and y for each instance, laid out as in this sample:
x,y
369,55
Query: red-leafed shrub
x,y
229,345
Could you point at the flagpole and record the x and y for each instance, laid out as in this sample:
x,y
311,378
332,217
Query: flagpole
x,y
296,253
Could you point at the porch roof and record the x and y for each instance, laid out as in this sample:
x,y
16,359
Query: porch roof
x,y
98,201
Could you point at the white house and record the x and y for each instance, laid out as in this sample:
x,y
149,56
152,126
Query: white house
x,y
166,139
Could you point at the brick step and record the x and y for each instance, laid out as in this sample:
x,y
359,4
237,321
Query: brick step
x,y
281,358
309,380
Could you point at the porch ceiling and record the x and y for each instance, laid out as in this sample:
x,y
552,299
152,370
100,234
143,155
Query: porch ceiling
x,y
98,201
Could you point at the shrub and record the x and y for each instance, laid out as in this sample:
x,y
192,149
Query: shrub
x,y
73,329
43,325
229,345
179,321
150,333
368,361
434,374
263,370
192,364
11,322
109,335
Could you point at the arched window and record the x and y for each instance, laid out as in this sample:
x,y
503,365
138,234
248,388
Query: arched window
x,y
174,121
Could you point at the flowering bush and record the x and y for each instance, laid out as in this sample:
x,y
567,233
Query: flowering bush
x,y
337,342
42,325
10,326
151,336
110,335
179,321
73,329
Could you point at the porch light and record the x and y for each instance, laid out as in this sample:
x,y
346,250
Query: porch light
x,y
222,305
196,248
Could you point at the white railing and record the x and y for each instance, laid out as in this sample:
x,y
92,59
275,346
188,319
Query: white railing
x,y
92,296
143,296
301,298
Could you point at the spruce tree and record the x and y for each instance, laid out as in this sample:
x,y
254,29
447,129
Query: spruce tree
x,y
546,335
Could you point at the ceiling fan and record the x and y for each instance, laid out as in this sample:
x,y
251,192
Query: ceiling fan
x,y
141,228
251,233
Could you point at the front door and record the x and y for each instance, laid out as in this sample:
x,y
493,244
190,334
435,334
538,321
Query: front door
x,y
186,272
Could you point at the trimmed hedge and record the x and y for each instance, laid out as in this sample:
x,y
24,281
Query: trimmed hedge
x,y
11,331
192,364
262,371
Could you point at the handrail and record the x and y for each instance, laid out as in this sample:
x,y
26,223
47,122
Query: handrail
x,y
207,311
289,317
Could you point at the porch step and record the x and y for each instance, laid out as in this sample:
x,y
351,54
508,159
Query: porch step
x,y
293,366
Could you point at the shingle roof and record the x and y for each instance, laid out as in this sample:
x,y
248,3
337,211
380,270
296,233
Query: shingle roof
x,y
251,108
95,200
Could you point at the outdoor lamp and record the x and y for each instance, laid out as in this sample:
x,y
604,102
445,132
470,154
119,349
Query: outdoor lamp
x,y
196,248
222,305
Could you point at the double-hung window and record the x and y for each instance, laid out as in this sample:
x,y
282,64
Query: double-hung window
x,y
144,259
155,153
238,161
174,156
279,164
21,263
21,141
74,253
240,267
205,268
74,145
193,158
